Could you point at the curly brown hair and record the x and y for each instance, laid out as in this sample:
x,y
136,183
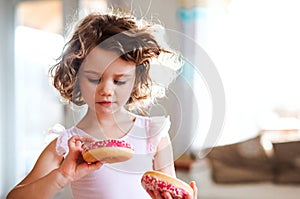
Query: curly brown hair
x,y
118,33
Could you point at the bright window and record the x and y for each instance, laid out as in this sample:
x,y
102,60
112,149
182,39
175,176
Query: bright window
x,y
255,46
38,42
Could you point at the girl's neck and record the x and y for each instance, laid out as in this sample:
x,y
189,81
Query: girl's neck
x,y
108,125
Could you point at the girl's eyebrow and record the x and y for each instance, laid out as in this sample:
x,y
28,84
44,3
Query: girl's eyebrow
x,y
123,75
115,75
91,72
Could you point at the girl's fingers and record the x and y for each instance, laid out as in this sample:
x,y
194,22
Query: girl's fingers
x,y
157,194
151,193
72,141
87,139
96,165
75,143
194,187
166,195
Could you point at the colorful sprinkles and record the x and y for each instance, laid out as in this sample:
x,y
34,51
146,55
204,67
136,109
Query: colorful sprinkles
x,y
106,143
153,183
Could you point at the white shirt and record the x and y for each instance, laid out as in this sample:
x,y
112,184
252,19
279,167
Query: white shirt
x,y
120,180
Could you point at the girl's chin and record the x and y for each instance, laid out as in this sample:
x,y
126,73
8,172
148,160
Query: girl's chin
x,y
107,110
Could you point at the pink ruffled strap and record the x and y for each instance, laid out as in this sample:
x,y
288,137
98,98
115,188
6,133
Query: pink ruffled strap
x,y
62,138
56,129
157,128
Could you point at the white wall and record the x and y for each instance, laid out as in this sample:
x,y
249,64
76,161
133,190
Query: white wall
x,y
9,172
154,10
7,134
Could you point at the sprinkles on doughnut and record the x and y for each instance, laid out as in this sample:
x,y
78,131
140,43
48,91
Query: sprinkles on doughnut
x,y
154,180
107,151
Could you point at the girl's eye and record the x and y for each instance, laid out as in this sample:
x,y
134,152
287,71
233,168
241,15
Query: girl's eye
x,y
119,82
94,81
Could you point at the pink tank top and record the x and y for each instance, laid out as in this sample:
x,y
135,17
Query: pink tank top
x,y
120,180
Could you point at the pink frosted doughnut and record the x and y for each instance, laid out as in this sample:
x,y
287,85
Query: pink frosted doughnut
x,y
107,151
154,180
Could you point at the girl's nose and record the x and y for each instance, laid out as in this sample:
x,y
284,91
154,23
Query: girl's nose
x,y
105,88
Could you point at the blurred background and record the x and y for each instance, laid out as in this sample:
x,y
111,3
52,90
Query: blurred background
x,y
253,45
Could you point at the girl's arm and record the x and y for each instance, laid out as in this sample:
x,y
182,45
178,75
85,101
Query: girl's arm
x,y
51,172
44,180
163,161
45,187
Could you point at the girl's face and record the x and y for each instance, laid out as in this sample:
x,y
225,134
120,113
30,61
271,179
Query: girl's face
x,y
106,81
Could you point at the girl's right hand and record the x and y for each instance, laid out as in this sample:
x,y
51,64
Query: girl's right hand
x,y
195,189
73,166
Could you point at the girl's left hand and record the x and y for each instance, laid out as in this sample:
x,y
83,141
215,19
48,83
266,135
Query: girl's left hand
x,y
73,166
166,195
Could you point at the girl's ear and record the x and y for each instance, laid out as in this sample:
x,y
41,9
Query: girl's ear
x,y
76,94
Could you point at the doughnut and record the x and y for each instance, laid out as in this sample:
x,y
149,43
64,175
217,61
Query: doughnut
x,y
154,180
107,151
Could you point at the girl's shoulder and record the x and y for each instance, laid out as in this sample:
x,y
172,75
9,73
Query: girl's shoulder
x,y
156,127
152,120
155,124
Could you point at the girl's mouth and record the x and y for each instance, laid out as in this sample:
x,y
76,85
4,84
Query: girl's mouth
x,y
105,103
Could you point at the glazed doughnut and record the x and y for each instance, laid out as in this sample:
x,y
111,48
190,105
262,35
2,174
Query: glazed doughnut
x,y
107,151
154,180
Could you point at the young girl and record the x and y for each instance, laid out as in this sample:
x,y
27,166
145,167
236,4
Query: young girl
x,y
106,66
